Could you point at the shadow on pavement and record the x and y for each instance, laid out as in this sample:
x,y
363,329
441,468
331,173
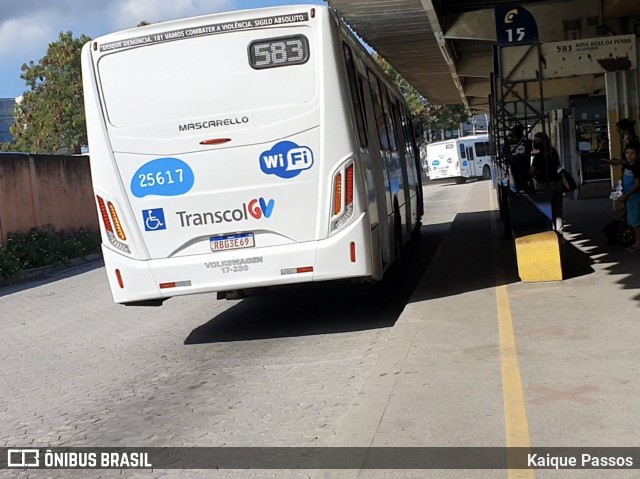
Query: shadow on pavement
x,y
52,276
467,260
574,262
323,308
475,245
586,219
469,250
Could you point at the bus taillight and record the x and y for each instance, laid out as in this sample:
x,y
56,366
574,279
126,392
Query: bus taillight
x,y
107,225
343,195
337,195
116,222
349,185
104,214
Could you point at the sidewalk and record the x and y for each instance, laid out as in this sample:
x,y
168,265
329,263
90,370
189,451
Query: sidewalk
x,y
480,359
33,274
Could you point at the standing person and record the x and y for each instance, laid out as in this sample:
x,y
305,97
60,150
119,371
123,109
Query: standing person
x,y
518,153
631,188
627,129
544,168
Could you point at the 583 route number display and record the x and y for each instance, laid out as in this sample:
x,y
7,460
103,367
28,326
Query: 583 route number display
x,y
278,52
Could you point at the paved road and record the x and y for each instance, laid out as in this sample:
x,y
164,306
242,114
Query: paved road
x,y
279,370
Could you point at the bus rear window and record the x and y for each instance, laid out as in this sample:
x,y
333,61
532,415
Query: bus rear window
x,y
203,76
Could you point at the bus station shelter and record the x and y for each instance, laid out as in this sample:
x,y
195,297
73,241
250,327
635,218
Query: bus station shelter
x,y
564,67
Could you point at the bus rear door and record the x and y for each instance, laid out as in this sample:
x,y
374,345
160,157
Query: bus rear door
x,y
466,161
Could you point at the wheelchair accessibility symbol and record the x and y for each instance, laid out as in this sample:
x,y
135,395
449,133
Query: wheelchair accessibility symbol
x,y
154,219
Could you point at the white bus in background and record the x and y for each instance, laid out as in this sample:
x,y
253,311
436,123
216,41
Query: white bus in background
x,y
243,150
460,158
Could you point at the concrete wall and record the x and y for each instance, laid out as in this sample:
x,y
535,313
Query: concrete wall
x,y
38,190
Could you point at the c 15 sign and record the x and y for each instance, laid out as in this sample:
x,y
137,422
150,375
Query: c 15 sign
x,y
515,25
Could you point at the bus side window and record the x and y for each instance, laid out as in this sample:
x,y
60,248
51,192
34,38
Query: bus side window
x,y
398,116
360,79
481,149
396,167
412,148
393,142
355,88
379,113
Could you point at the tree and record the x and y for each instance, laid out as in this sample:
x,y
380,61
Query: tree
x,y
444,117
51,114
432,117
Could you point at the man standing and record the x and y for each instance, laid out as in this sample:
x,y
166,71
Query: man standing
x,y
518,155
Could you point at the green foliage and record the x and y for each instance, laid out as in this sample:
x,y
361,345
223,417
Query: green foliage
x,y
6,146
51,114
432,117
42,247
444,117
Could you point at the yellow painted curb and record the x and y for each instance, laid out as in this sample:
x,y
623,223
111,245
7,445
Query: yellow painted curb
x,y
538,257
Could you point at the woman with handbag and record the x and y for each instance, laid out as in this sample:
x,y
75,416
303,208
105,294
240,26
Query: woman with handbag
x,y
545,168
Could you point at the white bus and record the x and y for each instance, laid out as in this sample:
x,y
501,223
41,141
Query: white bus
x,y
246,149
460,158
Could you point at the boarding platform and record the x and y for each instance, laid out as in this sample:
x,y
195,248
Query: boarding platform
x,y
481,358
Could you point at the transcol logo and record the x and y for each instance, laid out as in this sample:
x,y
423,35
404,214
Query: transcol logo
x,y
286,159
257,208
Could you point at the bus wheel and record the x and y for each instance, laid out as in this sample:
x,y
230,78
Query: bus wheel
x,y
486,172
398,246
459,180
416,233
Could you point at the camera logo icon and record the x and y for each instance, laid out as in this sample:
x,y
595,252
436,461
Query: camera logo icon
x,y
23,458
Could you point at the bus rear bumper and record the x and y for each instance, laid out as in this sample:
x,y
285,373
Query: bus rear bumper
x,y
346,254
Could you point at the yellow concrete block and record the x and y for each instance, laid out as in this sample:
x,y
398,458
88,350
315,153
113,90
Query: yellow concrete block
x,y
538,257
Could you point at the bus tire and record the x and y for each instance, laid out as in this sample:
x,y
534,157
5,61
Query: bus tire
x,y
486,172
398,252
416,232
393,274
459,180
397,227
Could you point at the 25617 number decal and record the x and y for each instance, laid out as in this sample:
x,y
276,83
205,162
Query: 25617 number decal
x,y
162,177
149,180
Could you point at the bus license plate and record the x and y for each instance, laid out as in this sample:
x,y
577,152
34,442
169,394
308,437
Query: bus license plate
x,y
235,241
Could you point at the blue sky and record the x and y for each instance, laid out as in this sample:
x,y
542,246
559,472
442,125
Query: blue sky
x,y
28,26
